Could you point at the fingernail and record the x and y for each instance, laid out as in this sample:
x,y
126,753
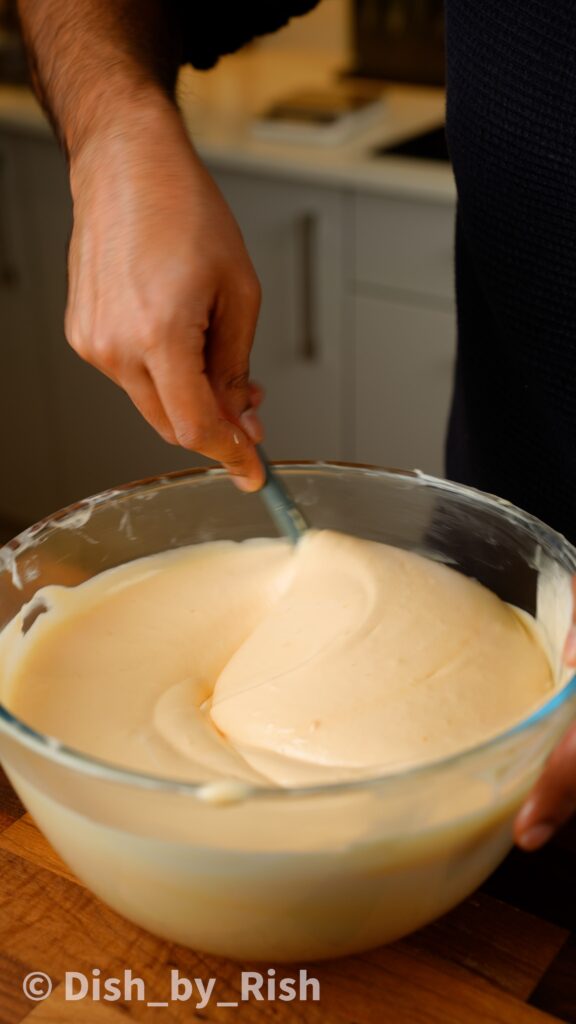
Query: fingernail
x,y
525,814
570,647
245,483
252,425
535,837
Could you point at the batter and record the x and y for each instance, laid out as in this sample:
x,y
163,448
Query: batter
x,y
255,661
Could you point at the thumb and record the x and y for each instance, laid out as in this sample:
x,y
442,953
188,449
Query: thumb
x,y
229,343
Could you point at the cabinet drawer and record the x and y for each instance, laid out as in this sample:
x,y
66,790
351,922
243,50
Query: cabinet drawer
x,y
404,245
403,383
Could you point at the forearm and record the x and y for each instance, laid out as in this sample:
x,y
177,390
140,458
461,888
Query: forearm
x,y
162,296
95,63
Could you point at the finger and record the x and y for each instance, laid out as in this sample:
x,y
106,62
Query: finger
x,y
570,645
252,425
139,386
230,338
255,394
137,383
249,420
553,799
177,370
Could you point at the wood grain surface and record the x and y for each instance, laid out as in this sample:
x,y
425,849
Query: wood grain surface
x,y
506,955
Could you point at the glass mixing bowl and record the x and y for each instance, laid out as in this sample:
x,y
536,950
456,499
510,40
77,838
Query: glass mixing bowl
x,y
308,872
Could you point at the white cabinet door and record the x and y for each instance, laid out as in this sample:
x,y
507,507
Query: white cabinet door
x,y
404,368
29,464
294,234
404,245
66,431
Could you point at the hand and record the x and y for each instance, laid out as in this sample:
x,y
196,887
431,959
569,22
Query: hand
x,y
163,297
553,799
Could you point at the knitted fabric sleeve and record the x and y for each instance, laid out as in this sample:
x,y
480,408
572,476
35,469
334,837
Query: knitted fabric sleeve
x,y
512,137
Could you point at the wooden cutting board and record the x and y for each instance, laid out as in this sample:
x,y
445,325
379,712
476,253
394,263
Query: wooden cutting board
x,y
507,955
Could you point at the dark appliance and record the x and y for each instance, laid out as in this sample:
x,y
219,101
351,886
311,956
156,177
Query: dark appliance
x,y
399,40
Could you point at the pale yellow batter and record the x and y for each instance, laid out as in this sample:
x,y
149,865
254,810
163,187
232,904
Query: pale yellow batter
x,y
257,662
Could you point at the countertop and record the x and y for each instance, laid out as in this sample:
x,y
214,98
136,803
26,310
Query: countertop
x,y
507,955
218,106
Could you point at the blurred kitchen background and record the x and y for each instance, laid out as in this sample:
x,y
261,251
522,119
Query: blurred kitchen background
x,y
352,240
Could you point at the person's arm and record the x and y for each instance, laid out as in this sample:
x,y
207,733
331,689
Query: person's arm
x,y
162,296
92,60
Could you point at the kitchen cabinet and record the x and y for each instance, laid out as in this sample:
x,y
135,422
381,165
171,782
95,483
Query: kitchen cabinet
x,y
65,430
404,364
402,330
354,345
28,464
295,236
405,246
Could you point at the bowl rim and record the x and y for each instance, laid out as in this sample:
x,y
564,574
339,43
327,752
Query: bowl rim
x,y
69,757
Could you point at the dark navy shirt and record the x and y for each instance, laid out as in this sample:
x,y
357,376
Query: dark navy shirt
x,y
512,136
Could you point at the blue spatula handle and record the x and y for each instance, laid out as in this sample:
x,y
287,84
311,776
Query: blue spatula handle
x,y
286,515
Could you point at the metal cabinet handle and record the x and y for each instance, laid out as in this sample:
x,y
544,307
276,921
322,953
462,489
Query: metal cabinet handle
x,y
308,350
